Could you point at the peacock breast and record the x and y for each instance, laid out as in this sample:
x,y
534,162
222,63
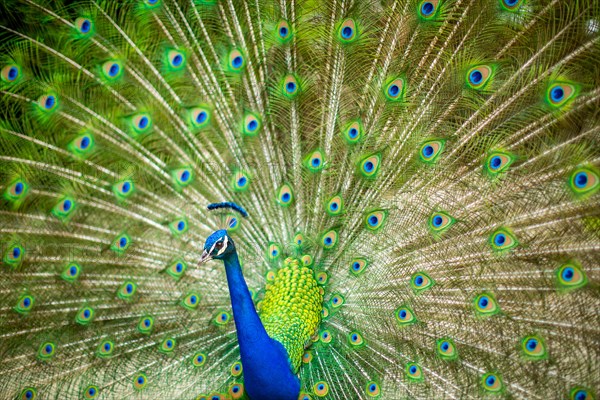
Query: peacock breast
x,y
291,309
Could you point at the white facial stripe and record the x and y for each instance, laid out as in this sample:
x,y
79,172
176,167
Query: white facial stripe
x,y
224,246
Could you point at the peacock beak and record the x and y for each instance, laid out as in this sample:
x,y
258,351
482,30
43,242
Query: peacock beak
x,y
205,257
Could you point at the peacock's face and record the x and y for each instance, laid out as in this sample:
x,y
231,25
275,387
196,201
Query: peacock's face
x,y
217,246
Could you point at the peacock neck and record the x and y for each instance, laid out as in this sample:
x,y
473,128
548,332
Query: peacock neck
x,y
267,373
247,322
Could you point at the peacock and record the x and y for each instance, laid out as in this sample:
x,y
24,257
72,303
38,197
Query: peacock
x,y
301,199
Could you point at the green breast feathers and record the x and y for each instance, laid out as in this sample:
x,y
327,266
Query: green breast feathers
x,y
291,309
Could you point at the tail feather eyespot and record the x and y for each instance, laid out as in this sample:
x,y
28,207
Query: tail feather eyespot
x,y
414,372
112,70
84,26
91,392
428,9
127,290
479,76
251,125
10,73
394,90
283,31
236,61
105,348
145,324
24,304
446,349
347,31
175,59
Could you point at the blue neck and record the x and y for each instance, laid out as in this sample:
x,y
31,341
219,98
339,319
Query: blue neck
x,y
267,374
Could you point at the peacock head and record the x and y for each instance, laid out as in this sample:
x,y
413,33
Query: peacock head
x,y
217,246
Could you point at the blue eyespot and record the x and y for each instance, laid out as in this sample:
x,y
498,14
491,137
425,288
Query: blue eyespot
x,y
13,72
333,206
48,348
50,101
201,117
419,280
193,299
321,386
123,242
500,239
85,26
85,142
428,151
146,322
475,77
445,346
581,395
285,197
490,380
403,314
140,380
353,133
180,225
73,270
369,166
557,94
86,313
26,301
253,124
19,188
177,60
413,369
511,2
495,162
347,32
315,162
568,273
356,266
373,220
427,8
290,87
532,344
16,252
113,70
328,240
393,90
107,346
437,221
185,175
237,61
129,288
242,181
143,123
179,267
283,31
67,205
581,179
483,302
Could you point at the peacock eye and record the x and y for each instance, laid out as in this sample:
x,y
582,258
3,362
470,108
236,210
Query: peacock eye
x,y
218,245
